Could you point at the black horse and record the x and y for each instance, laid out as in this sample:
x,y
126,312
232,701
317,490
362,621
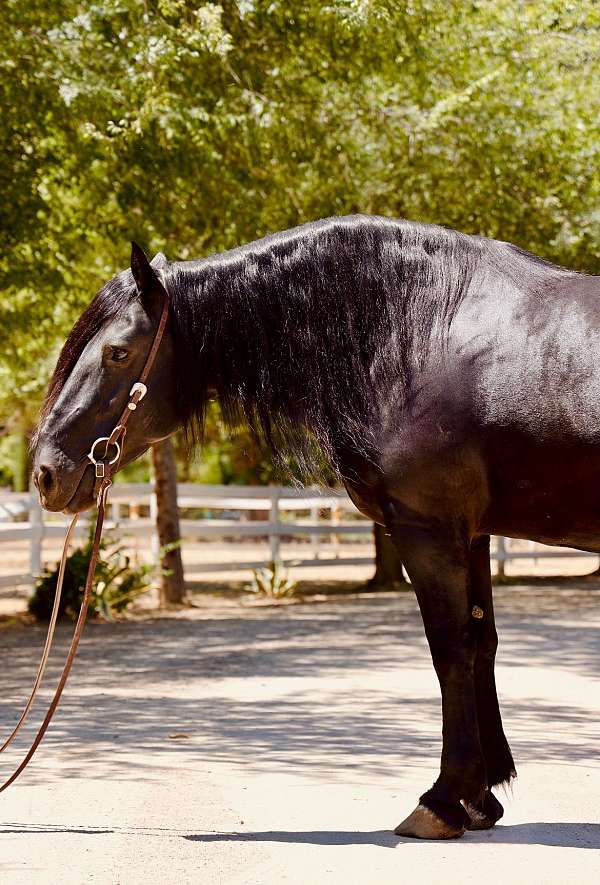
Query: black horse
x,y
453,381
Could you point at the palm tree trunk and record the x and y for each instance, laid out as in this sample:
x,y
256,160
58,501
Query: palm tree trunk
x,y
388,565
172,587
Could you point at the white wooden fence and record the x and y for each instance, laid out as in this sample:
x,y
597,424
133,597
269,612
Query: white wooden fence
x,y
225,510
283,513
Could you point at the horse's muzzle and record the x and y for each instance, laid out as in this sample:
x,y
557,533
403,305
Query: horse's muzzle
x,y
60,483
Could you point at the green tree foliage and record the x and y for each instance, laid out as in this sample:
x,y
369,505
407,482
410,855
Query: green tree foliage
x,y
194,126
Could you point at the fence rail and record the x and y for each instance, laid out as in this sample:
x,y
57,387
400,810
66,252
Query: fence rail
x,y
328,513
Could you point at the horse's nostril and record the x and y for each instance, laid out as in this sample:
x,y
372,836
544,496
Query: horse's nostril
x,y
45,479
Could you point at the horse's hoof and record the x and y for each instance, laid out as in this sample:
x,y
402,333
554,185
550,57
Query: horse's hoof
x,y
485,814
424,824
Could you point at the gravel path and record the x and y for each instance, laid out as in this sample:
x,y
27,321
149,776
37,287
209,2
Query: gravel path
x,y
255,745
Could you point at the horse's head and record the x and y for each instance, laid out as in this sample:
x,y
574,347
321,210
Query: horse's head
x,y
100,361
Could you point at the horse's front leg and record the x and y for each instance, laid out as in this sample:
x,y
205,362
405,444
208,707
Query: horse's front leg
x,y
437,560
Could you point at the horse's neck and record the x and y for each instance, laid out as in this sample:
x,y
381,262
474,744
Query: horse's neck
x,y
277,343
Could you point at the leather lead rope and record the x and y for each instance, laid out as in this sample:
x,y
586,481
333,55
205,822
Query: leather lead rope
x,y
103,473
49,638
74,642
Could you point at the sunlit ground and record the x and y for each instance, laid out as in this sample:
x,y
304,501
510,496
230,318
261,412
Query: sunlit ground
x,y
282,744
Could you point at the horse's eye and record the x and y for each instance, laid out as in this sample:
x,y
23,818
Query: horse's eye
x,y
118,354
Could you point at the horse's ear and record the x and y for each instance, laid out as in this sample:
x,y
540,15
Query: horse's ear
x,y
147,276
141,269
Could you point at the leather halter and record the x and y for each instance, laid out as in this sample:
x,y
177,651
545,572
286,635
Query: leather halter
x,y
103,468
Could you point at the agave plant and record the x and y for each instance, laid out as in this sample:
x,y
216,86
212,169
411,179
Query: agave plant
x,y
272,581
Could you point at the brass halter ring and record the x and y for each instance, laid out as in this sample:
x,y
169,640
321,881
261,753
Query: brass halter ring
x,y
99,465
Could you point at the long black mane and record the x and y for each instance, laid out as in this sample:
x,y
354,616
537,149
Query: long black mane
x,y
303,332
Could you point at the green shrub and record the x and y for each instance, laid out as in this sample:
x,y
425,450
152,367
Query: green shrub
x,y
117,582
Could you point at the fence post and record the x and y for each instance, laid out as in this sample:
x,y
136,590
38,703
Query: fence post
x,y
274,523
154,542
36,524
334,517
501,555
315,539
134,515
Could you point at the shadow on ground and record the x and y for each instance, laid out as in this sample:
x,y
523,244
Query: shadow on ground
x,y
552,835
561,835
549,834
128,691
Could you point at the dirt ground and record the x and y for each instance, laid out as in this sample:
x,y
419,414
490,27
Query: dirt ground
x,y
236,743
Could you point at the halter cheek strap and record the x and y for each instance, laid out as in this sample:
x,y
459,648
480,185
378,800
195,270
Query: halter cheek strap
x,y
103,467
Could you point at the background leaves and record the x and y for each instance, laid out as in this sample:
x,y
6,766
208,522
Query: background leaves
x,y
192,127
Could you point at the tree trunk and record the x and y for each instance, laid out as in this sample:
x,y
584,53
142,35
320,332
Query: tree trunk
x,y
21,467
388,565
172,588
